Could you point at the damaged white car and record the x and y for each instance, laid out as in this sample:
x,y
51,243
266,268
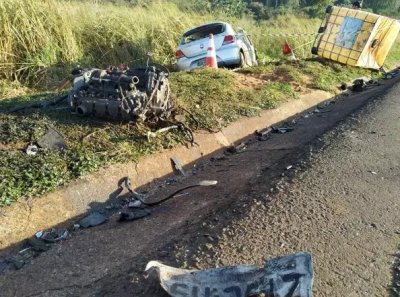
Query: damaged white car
x,y
233,49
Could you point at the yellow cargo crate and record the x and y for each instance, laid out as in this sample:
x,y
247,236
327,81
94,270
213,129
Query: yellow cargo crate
x,y
356,37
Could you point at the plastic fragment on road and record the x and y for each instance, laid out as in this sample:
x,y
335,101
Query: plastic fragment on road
x,y
356,37
92,220
287,276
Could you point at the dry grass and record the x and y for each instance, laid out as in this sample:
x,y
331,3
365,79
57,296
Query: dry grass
x,y
40,39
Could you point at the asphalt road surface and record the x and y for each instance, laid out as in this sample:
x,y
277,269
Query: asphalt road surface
x,y
330,187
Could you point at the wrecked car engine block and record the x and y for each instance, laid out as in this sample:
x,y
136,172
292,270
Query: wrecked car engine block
x,y
121,93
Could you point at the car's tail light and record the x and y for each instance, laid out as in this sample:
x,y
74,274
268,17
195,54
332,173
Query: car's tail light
x,y
179,54
229,39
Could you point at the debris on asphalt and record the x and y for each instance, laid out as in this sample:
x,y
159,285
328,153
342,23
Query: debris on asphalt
x,y
358,85
170,181
53,235
176,163
234,149
290,275
93,219
126,181
52,140
179,195
263,135
133,215
392,74
37,244
17,261
31,150
135,204
283,129
203,183
289,167
372,172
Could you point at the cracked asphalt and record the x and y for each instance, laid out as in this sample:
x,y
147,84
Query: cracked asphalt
x,y
331,187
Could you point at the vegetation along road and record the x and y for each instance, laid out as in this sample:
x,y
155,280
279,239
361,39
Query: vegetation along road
x,y
326,189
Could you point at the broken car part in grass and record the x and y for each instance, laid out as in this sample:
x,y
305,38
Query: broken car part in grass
x,y
287,276
121,93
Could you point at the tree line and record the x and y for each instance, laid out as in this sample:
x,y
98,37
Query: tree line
x,y
265,9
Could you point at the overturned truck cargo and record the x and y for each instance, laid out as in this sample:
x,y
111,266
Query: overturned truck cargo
x,y
355,37
121,93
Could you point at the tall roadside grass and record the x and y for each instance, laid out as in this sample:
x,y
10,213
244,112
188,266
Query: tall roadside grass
x,y
269,36
39,35
34,36
48,35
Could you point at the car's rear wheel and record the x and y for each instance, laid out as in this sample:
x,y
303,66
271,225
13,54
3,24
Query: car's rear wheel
x,y
242,62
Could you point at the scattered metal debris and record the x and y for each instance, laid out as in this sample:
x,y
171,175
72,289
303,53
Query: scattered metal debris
x,y
263,135
234,149
37,244
53,235
135,204
177,165
52,140
282,130
141,198
133,215
287,276
93,219
32,150
360,85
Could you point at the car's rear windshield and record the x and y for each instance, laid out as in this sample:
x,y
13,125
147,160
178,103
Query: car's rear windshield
x,y
202,32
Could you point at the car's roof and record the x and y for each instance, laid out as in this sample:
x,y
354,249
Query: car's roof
x,y
207,24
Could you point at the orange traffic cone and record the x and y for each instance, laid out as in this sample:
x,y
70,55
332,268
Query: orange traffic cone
x,y
211,58
287,50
